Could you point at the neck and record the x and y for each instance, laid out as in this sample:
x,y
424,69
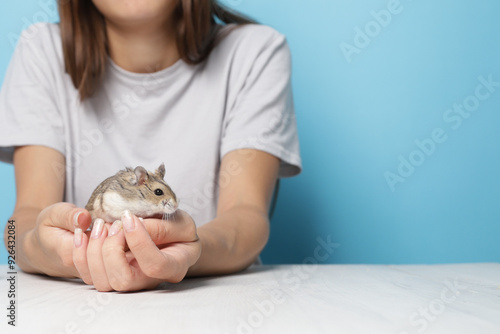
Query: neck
x,y
142,49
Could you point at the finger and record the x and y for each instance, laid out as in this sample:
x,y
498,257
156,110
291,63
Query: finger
x,y
68,216
180,228
186,253
115,261
80,255
121,275
94,256
151,260
54,223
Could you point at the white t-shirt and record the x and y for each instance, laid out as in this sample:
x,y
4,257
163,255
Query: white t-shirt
x,y
186,116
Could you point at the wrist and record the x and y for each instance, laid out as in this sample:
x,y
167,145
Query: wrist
x,y
194,270
25,253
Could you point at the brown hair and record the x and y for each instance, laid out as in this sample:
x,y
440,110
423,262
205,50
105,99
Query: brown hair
x,y
84,41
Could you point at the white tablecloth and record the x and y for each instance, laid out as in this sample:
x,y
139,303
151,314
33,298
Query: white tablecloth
x,y
399,299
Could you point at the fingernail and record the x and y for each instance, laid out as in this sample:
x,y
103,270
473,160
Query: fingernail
x,y
78,237
128,222
97,229
115,228
75,218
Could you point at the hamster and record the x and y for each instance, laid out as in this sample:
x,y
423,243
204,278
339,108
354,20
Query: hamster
x,y
143,193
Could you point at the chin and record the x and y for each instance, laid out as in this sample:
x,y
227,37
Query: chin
x,y
132,12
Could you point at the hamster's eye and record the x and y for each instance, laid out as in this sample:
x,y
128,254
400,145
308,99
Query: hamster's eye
x,y
158,192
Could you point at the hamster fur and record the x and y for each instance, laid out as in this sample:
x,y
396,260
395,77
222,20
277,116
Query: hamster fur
x,y
144,194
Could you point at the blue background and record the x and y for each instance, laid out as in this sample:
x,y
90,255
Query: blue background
x,y
358,115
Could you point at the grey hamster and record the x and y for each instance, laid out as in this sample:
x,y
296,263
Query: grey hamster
x,y
144,194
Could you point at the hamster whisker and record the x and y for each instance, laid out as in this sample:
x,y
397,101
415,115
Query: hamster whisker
x,y
168,216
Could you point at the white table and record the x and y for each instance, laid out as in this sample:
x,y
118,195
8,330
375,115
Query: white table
x,y
454,298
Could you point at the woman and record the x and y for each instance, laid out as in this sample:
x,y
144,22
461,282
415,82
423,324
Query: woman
x,y
133,83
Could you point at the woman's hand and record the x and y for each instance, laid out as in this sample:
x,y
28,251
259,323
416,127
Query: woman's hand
x,y
134,254
49,245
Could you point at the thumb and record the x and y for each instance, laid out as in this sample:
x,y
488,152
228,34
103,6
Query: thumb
x,y
69,216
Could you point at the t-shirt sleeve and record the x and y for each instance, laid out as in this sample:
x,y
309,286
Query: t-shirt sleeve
x,y
28,111
261,113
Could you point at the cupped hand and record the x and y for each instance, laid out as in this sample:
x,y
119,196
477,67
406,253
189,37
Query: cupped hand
x,y
136,254
49,246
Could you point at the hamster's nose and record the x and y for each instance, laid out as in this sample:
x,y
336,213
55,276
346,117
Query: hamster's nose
x,y
172,204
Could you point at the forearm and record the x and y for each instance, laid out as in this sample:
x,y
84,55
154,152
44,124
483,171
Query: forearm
x,y
231,242
25,220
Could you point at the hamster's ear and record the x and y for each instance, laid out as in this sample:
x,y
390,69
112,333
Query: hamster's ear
x,y
141,175
161,171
